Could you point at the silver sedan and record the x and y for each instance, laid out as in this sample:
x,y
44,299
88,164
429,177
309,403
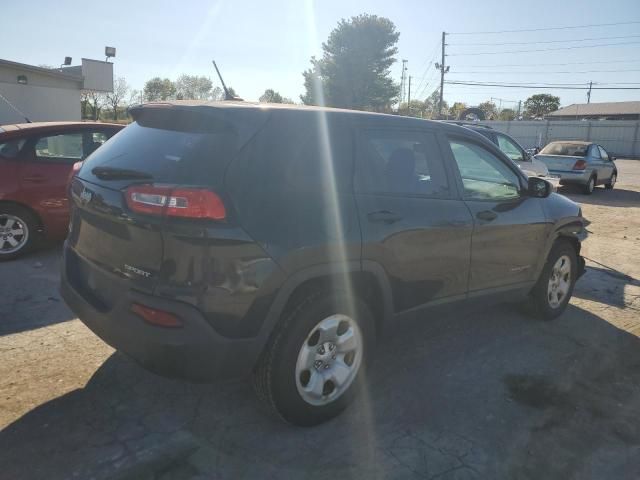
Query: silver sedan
x,y
580,163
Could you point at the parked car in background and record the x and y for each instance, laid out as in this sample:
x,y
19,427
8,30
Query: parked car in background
x,y
36,160
580,163
512,149
215,240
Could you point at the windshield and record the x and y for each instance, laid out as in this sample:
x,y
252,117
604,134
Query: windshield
x,y
566,149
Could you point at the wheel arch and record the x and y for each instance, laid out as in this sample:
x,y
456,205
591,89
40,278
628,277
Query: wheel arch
x,y
367,280
26,207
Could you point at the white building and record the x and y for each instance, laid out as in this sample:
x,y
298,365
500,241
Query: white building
x,y
43,94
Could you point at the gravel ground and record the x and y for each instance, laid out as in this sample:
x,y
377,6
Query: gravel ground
x,y
483,394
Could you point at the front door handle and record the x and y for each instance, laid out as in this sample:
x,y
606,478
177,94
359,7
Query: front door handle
x,y
35,179
487,215
384,216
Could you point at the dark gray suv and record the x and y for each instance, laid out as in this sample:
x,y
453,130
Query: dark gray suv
x,y
213,240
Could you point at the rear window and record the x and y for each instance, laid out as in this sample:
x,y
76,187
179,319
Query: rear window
x,y
567,149
169,155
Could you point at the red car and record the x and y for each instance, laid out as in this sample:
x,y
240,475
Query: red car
x,y
36,160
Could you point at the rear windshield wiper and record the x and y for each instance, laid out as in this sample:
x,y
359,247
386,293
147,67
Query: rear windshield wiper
x,y
114,173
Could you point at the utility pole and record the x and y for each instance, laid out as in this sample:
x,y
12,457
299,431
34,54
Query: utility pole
x,y
589,92
519,105
409,97
443,70
402,82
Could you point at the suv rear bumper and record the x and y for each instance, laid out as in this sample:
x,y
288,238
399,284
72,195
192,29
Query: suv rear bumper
x,y
195,351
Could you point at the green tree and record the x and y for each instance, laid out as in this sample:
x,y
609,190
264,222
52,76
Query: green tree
x,y
490,110
193,87
354,71
507,114
539,105
271,96
159,89
456,109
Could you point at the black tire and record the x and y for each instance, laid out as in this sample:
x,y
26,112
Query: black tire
x,y
274,377
538,302
590,186
612,181
27,220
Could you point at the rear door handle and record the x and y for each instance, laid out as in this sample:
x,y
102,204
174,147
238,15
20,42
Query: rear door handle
x,y
384,216
487,215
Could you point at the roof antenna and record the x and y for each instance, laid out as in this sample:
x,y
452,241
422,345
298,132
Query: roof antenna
x,y
227,95
14,108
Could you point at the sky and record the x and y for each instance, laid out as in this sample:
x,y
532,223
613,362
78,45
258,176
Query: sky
x,y
267,44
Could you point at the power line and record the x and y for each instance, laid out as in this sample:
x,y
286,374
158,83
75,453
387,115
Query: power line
x,y
426,70
542,41
538,72
542,83
548,64
546,29
543,49
538,86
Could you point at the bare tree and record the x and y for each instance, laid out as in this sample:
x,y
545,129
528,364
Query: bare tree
x,y
94,100
115,98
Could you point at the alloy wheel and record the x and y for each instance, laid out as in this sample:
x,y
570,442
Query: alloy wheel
x,y
14,233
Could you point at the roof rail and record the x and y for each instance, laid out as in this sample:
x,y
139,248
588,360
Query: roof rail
x,y
467,124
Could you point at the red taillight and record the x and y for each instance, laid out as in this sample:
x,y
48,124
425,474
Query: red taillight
x,y
175,202
155,317
580,165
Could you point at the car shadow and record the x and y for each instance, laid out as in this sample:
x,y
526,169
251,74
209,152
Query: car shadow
x,y
618,197
30,298
610,292
490,394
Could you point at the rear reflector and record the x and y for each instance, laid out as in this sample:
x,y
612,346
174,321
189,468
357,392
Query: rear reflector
x,y
159,318
175,202
580,165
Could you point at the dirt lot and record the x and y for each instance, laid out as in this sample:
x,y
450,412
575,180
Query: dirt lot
x,y
490,394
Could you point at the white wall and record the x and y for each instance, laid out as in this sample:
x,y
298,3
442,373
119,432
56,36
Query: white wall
x,y
619,137
39,103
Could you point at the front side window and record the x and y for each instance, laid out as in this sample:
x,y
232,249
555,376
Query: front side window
x,y
94,140
63,147
510,149
484,176
12,148
401,163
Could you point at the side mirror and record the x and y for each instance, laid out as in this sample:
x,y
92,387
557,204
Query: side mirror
x,y
539,187
527,157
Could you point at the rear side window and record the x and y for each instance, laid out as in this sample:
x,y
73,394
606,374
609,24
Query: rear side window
x,y
296,152
168,155
400,163
62,147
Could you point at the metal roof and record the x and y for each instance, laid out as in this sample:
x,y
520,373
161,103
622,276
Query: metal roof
x,y
605,108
